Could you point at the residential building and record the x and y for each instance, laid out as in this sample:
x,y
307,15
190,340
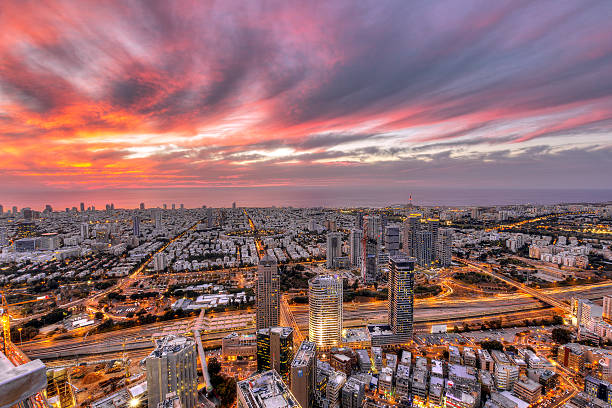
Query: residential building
x,y
268,293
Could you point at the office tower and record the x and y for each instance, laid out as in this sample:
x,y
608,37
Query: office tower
x,y
157,218
353,393
275,350
48,209
355,243
165,206
433,225
84,230
359,221
265,390
424,248
27,213
444,247
369,259
182,206
173,206
1,209
136,225
268,293
234,205
334,248
410,228
401,296
14,210
112,206
607,307
392,241
304,374
372,227
325,310
209,217
142,206
93,208
172,368
82,207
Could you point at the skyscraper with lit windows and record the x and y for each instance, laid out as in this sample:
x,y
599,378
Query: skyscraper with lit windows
x,y
401,296
325,311
268,293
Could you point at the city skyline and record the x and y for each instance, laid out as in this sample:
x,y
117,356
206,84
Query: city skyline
x,y
160,98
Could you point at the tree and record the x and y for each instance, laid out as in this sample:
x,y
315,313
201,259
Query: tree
x,y
561,335
492,345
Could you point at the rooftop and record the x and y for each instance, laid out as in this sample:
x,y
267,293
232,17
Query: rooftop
x,y
266,390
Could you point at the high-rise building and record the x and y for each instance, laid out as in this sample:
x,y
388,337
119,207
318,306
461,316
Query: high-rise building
x,y
173,206
136,225
275,350
3,235
27,214
424,248
182,206
264,390
157,217
410,228
353,393
14,210
142,206
359,221
334,248
607,307
48,209
392,240
1,209
304,373
82,207
355,243
325,310
84,230
433,225
401,296
165,206
268,293
373,228
234,205
172,368
369,260
209,217
444,247
160,262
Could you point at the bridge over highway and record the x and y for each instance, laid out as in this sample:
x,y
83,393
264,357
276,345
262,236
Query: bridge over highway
x,y
524,288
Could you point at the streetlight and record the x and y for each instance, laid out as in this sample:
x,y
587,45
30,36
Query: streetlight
x,y
20,341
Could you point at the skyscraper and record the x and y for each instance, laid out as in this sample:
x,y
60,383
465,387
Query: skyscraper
x,y
444,247
410,228
334,248
372,228
607,307
401,296
369,259
209,217
142,206
392,240
355,243
424,248
136,225
275,350
82,207
325,310
1,209
84,230
157,218
172,368
304,373
268,293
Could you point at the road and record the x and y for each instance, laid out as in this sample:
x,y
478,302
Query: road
x,y
533,292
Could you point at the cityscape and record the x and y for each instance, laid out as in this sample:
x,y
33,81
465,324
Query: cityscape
x,y
306,204
408,305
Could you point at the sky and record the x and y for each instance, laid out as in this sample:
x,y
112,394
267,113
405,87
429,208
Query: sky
x,y
168,96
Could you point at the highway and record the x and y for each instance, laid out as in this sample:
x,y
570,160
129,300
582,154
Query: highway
x,y
533,292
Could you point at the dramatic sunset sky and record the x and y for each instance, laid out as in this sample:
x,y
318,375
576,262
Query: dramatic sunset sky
x,y
185,97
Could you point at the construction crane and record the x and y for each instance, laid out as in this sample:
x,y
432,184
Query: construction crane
x,y
5,317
